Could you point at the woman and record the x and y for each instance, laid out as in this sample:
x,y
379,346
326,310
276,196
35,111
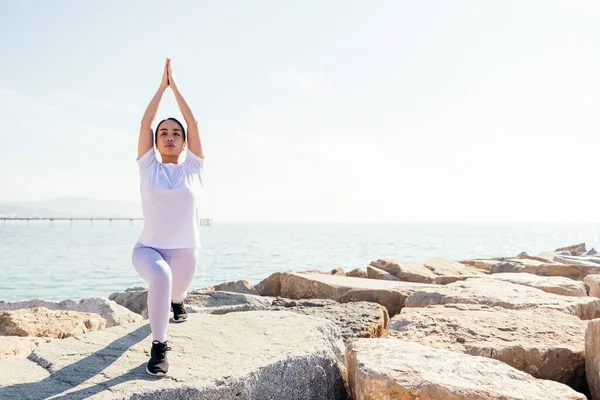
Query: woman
x,y
165,255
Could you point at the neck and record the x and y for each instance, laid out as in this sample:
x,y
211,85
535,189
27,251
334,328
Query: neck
x,y
169,159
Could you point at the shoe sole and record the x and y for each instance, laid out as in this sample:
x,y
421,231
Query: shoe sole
x,y
158,374
178,321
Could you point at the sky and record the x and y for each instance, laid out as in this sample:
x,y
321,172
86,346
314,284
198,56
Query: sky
x,y
314,110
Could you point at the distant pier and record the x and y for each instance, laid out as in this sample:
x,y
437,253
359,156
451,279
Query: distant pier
x,y
203,221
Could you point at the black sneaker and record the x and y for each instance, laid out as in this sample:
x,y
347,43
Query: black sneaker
x,y
179,312
158,364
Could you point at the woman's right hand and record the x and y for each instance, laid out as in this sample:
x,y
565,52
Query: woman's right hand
x,y
164,83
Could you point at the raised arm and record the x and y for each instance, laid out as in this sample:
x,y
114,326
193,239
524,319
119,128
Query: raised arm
x,y
193,139
146,141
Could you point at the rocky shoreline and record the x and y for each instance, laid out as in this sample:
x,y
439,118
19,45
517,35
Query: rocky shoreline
x,y
522,327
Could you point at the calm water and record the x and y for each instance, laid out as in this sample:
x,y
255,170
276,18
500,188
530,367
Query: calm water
x,y
63,261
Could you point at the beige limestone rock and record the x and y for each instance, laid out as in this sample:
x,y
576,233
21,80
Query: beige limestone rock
x,y
550,284
435,270
376,273
483,264
236,287
389,294
493,292
42,322
20,346
396,369
251,355
593,281
576,249
592,357
114,313
544,343
357,273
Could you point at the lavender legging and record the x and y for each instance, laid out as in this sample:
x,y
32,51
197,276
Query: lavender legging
x,y
168,272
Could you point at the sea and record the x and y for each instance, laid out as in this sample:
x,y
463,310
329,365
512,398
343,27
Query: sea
x,y
83,259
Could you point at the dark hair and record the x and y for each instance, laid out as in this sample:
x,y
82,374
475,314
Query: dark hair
x,y
169,119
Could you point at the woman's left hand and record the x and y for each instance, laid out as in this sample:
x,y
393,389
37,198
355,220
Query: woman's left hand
x,y
172,82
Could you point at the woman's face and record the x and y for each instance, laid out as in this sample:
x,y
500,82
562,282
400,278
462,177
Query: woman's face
x,y
169,139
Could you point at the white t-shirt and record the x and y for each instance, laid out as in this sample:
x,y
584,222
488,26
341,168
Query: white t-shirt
x,y
170,195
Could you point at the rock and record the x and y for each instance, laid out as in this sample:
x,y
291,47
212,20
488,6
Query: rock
x,y
593,281
270,286
21,371
134,299
19,346
338,271
550,284
42,322
355,320
590,252
389,294
589,261
357,273
484,265
493,292
576,250
592,357
236,287
435,270
209,302
544,343
376,273
113,313
253,355
397,369
567,270
525,256
198,301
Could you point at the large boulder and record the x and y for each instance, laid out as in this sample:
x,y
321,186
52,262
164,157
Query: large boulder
x,y
42,322
435,270
544,343
397,369
253,355
113,313
550,284
357,319
493,292
344,289
592,357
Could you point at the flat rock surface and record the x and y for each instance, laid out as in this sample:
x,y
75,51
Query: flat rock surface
x,y
397,369
253,355
355,320
493,292
544,343
550,284
20,346
435,270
